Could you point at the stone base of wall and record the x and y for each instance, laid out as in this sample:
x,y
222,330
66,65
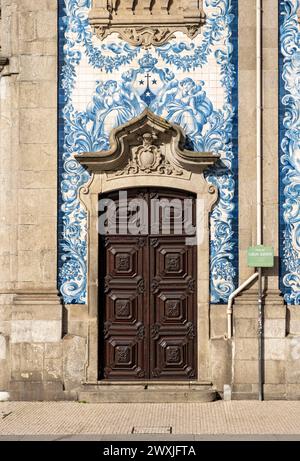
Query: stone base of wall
x,y
235,361
39,391
147,392
270,392
39,360
44,350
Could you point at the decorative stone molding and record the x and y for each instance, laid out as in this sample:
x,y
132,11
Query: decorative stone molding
x,y
145,22
147,145
148,151
39,296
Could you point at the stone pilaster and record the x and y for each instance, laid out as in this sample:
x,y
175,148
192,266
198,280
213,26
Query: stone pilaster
x,y
31,311
247,130
8,197
37,153
29,146
270,140
276,347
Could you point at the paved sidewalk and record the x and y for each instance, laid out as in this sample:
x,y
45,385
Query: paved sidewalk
x,y
276,420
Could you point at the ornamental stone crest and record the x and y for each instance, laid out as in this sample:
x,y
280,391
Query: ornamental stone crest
x,y
146,22
148,158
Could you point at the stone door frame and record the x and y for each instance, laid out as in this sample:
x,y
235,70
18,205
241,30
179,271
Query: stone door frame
x,y
107,176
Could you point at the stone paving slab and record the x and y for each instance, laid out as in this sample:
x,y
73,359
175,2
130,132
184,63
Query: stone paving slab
x,y
65,419
131,438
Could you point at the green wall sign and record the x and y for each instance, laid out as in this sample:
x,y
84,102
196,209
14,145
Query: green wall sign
x,y
261,256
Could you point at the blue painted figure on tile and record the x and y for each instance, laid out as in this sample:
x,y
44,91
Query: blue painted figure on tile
x,y
186,104
112,105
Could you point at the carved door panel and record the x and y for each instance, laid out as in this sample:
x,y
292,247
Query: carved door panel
x,y
148,302
172,309
124,351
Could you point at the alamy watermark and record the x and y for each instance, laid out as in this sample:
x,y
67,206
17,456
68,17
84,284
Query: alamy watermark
x,y
157,216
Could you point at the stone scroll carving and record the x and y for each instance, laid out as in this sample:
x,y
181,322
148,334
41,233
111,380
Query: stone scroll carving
x,y
147,22
147,145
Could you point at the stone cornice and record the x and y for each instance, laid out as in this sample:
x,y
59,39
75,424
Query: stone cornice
x,y
146,23
37,296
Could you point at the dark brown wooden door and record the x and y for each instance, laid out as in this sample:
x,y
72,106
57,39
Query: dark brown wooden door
x,y
148,297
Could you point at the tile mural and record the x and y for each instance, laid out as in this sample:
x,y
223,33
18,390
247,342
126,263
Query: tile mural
x,y
103,84
289,162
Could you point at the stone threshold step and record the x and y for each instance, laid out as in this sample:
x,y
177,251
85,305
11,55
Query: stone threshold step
x,y
147,384
154,393
147,397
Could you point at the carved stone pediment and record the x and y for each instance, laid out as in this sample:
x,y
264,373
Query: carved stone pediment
x,y
146,22
147,145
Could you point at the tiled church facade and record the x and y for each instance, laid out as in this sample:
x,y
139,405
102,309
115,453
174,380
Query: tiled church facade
x,y
65,86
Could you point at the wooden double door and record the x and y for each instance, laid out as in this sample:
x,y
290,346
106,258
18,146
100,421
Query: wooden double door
x,y
148,295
